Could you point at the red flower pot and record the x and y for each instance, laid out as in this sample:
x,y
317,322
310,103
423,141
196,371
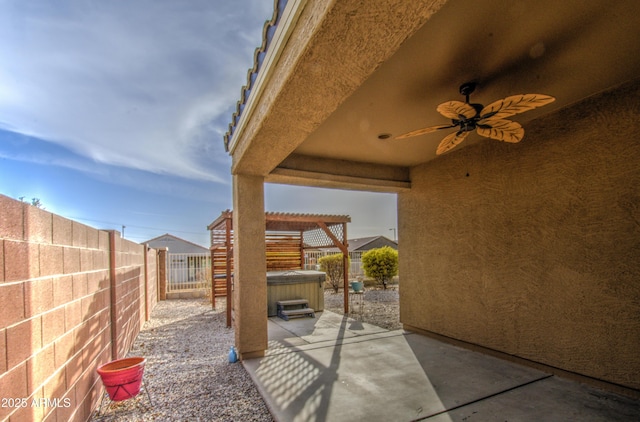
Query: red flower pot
x,y
123,377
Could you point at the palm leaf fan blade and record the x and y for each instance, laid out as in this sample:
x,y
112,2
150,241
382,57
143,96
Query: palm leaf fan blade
x,y
501,130
451,141
455,109
515,104
423,131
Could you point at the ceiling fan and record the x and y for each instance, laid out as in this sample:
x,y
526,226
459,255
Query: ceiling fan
x,y
489,121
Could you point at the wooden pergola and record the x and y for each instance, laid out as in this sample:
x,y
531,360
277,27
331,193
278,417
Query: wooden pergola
x,y
287,236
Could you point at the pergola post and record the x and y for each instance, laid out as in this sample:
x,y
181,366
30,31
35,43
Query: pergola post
x,y
228,275
250,273
345,268
343,246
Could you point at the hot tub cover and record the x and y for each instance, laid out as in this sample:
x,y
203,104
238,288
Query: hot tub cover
x,y
295,276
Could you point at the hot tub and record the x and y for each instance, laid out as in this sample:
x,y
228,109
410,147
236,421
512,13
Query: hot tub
x,y
295,284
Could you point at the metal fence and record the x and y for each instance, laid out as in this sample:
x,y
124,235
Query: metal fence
x,y
192,271
355,268
188,271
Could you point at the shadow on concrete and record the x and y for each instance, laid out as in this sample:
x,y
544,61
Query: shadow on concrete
x,y
333,368
300,384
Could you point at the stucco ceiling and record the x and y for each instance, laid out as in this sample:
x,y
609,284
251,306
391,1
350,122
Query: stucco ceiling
x,y
567,49
354,69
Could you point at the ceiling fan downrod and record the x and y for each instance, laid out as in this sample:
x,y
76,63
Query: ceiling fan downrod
x,y
467,89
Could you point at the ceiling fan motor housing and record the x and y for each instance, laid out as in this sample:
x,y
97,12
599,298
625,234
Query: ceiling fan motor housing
x,y
468,124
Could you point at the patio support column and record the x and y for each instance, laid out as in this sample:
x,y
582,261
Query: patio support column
x,y
250,266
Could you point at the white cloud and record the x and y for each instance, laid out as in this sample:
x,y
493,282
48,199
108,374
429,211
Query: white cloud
x,y
133,84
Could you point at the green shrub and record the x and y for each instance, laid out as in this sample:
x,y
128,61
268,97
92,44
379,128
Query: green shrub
x,y
381,264
332,265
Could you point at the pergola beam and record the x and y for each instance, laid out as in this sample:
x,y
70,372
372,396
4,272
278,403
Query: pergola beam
x,y
340,245
285,222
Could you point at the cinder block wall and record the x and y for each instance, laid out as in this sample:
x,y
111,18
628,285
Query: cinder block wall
x,y
532,249
62,285
152,281
127,294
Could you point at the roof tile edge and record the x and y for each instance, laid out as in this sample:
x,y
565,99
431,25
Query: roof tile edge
x,y
268,30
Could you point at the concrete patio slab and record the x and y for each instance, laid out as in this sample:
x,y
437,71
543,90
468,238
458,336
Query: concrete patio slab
x,y
550,399
304,331
333,368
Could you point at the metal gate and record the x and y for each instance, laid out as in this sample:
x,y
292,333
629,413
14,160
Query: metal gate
x,y
188,271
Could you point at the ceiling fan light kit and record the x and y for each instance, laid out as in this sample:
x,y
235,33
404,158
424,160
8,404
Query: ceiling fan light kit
x,y
489,121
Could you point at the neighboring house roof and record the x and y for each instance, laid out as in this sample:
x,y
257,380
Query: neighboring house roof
x,y
368,243
175,244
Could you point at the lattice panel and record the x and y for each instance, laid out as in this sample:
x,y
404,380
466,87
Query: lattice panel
x,y
317,238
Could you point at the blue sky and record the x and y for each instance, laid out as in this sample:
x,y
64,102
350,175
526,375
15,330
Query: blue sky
x,y
113,113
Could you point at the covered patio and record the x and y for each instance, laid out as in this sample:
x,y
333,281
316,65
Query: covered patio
x,y
338,369
524,249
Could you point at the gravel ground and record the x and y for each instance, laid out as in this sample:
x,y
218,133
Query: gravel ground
x,y
188,374
380,307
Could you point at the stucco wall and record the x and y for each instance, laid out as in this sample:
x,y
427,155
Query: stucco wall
x,y
533,249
